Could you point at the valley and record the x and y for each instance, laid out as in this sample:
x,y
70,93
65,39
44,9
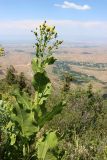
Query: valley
x,y
85,63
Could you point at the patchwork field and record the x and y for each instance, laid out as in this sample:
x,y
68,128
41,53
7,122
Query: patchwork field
x,y
86,63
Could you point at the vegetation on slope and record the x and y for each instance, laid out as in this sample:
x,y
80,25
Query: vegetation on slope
x,y
35,121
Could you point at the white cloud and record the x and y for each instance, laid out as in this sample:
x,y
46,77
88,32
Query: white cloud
x,y
72,5
28,25
67,29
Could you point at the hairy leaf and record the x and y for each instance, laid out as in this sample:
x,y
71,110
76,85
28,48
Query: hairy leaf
x,y
50,142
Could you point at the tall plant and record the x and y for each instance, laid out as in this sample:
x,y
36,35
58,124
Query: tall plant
x,y
24,130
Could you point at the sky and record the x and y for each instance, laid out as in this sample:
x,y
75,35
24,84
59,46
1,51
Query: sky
x,y
75,20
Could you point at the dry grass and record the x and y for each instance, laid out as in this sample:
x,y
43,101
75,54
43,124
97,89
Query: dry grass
x,y
96,55
22,61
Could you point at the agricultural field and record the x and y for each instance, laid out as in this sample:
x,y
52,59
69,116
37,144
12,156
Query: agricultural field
x,y
86,63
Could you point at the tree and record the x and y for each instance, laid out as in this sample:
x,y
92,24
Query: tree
x,y
67,81
21,81
11,77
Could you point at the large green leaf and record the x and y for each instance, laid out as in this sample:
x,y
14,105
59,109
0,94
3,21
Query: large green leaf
x,y
49,60
39,64
36,65
24,116
41,97
25,120
23,99
44,146
49,116
40,81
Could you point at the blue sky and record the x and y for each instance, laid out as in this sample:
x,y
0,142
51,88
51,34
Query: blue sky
x,y
76,20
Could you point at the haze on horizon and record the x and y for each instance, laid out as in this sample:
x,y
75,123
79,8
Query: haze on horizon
x,y
75,20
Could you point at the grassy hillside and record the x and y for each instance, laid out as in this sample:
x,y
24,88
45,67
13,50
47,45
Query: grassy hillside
x,y
42,121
